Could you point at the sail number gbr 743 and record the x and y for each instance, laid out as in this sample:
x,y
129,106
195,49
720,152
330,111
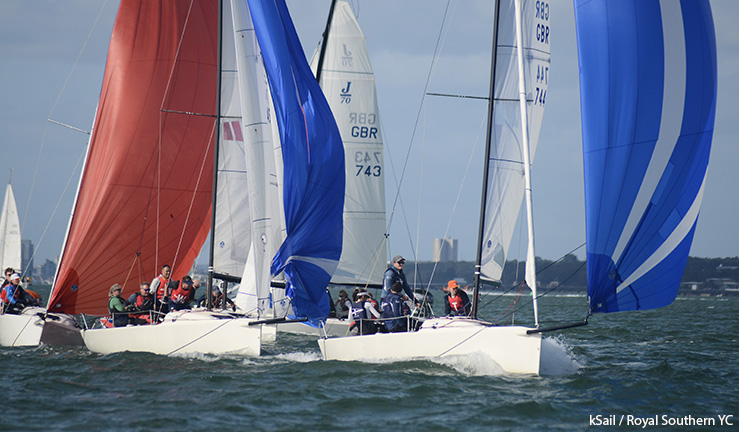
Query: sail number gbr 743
x,y
368,163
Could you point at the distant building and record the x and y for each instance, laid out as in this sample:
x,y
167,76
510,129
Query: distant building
x,y
47,270
445,250
27,257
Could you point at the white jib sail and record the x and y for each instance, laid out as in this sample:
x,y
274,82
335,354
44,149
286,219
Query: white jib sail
x,y
348,82
10,233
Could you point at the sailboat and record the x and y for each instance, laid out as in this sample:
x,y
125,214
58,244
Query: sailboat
x,y
24,329
146,190
648,85
519,79
342,67
10,232
34,324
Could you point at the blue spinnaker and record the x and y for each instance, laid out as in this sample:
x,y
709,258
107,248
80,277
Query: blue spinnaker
x,y
313,158
648,77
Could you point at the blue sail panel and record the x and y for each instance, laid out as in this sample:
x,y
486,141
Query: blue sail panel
x,y
648,77
313,158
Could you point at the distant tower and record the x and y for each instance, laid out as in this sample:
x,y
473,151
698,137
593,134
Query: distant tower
x,y
445,250
26,258
48,269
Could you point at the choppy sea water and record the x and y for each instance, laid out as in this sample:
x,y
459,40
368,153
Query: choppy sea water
x,y
671,367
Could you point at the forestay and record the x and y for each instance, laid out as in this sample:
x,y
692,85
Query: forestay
x,y
648,94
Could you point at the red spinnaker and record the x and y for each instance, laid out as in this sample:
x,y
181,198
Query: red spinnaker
x,y
145,195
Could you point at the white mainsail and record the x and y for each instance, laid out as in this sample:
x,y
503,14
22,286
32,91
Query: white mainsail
x,y
506,181
348,82
10,233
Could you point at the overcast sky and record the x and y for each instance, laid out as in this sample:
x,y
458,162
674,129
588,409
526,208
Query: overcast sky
x,y
44,75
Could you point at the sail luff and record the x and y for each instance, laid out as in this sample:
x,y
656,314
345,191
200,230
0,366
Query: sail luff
x,y
71,217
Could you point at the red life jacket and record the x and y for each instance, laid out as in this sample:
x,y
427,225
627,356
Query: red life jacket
x,y
162,288
140,301
180,295
456,303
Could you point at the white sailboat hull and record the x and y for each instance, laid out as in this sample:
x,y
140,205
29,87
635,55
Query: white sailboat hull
x,y
31,329
334,327
23,329
183,332
510,347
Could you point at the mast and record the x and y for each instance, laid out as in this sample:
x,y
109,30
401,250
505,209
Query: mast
x,y
324,43
209,291
486,171
530,256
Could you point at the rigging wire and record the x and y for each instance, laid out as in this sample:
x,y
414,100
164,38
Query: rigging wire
x,y
53,213
162,113
522,305
459,195
53,108
43,142
418,118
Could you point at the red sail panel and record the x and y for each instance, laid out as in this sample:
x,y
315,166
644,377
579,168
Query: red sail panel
x,y
145,196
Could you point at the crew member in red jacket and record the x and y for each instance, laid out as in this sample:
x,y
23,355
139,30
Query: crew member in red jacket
x,y
456,302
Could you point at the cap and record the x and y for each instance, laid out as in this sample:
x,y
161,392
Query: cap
x,y
452,284
398,258
15,276
186,283
362,293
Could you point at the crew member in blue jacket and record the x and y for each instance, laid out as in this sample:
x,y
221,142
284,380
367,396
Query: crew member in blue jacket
x,y
395,274
364,314
393,310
